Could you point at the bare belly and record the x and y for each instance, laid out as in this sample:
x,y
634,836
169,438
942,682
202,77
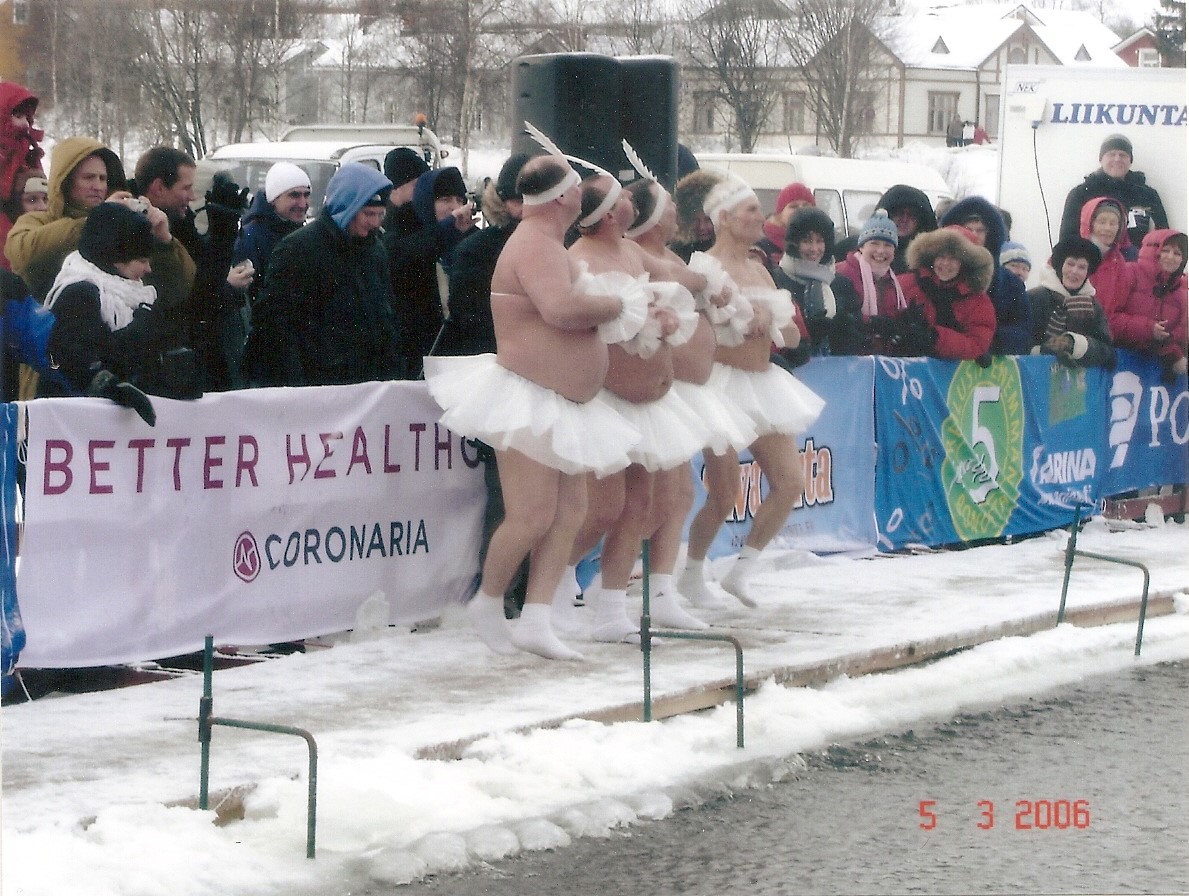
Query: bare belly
x,y
693,361
640,379
754,354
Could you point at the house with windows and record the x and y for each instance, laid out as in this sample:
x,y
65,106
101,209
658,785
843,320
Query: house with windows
x,y
14,29
930,66
1141,50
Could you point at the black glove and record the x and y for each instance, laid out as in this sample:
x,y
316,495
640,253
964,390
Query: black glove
x,y
887,328
983,360
918,335
105,385
225,195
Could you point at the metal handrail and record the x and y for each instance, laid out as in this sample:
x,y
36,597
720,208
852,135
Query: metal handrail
x,y
207,720
647,633
1071,552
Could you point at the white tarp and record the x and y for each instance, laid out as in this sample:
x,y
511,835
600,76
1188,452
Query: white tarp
x,y
255,516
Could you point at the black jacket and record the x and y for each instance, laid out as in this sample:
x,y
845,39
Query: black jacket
x,y
324,314
470,330
1145,211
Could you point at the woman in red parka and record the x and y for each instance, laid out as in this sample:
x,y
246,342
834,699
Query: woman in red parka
x,y
1152,319
20,152
1104,223
949,312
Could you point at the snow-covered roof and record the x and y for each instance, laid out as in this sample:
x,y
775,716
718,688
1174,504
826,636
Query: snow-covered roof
x,y
964,37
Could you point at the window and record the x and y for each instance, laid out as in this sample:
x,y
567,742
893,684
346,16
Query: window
x,y
20,12
704,112
1017,55
794,113
1148,57
942,108
991,114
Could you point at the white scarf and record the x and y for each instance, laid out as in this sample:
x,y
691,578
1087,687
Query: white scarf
x,y
870,297
118,296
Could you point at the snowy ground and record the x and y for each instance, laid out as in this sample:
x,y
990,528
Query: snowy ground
x,y
93,783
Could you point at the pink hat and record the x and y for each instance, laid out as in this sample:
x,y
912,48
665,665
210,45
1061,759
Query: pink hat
x,y
792,192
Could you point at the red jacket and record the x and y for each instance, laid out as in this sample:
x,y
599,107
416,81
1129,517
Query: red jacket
x,y
963,315
1114,278
1155,296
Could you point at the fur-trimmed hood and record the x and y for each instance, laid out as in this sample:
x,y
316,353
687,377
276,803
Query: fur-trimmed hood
x,y
688,196
964,209
978,267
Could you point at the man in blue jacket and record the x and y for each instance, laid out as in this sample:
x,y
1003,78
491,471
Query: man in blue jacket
x,y
324,314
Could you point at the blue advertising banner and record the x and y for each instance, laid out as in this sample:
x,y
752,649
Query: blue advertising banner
x,y
967,453
1148,422
836,510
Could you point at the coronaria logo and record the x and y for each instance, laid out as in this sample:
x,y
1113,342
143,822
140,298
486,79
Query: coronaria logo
x,y
245,559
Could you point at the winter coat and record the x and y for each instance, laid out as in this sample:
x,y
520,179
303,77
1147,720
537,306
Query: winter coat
x,y
18,150
1155,296
1013,319
887,300
40,241
261,228
1114,277
1141,201
898,196
829,306
1092,336
324,314
25,326
470,329
960,310
416,243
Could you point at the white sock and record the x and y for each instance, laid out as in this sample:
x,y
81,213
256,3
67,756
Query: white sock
x,y
692,583
486,616
663,607
611,622
735,581
566,616
533,633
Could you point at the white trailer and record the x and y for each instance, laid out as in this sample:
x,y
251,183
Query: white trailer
x,y
1054,118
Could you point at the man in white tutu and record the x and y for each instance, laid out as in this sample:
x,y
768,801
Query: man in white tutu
x,y
778,404
536,403
638,386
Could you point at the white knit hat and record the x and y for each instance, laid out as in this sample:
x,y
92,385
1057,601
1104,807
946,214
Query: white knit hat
x,y
283,177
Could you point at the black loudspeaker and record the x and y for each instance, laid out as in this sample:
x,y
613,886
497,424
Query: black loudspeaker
x,y
648,91
575,99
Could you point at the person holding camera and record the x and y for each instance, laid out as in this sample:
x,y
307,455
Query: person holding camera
x,y
420,257
165,178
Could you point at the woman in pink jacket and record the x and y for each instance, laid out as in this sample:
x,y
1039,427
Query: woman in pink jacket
x,y
1104,223
1152,318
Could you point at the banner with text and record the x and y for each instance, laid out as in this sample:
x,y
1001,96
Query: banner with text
x,y
836,511
255,516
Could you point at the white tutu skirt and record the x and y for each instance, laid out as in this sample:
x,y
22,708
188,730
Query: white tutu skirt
x,y
670,432
729,427
774,399
483,400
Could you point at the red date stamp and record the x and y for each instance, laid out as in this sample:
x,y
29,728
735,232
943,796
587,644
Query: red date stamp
x,y
1029,815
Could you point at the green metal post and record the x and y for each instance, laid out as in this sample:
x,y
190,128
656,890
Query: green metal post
x,y
205,707
646,639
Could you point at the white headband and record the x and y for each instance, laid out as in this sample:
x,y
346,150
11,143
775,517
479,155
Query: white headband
x,y
727,200
606,205
553,192
653,219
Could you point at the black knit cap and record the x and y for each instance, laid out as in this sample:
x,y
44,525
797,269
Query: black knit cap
x,y
449,182
1116,141
403,164
1075,247
805,221
113,232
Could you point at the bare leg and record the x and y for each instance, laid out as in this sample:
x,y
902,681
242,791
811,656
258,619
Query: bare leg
x,y
722,487
534,632
672,497
621,547
780,462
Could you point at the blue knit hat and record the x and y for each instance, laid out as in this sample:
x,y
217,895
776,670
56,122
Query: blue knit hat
x,y
1014,252
879,227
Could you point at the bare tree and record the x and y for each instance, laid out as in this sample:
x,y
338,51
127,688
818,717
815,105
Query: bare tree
x,y
738,45
842,63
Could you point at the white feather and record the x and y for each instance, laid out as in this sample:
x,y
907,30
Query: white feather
x,y
538,135
637,162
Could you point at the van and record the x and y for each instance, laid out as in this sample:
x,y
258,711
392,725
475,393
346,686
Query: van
x,y
845,189
318,149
